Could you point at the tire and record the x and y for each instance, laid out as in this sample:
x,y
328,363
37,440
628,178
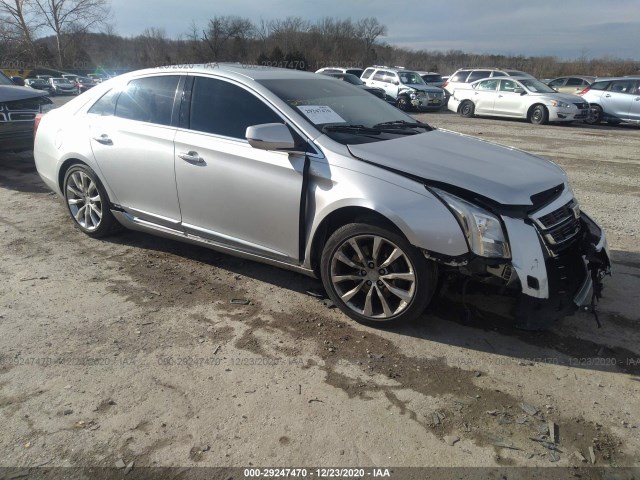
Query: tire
x,y
539,115
467,109
383,287
595,115
87,202
403,104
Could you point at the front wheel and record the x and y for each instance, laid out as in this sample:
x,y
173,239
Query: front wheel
x,y
404,104
467,109
375,275
539,115
87,202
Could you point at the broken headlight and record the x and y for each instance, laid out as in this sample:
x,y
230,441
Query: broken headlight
x,y
483,229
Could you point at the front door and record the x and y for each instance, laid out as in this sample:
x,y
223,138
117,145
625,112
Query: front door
x,y
230,192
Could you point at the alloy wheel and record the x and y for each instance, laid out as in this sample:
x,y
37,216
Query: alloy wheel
x,y
83,198
373,276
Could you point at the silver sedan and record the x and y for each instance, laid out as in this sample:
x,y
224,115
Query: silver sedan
x,y
318,176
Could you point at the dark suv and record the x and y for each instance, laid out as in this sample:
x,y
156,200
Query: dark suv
x,y
18,109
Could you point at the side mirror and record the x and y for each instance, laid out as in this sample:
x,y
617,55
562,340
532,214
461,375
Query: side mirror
x,y
270,136
396,82
519,90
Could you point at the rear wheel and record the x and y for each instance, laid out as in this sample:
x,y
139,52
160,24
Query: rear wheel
x,y
539,115
87,202
595,115
467,109
375,275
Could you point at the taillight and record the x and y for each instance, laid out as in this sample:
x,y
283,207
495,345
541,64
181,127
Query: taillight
x,y
584,91
36,123
445,84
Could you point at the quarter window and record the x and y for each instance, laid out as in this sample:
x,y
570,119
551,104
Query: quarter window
x,y
106,105
148,99
222,108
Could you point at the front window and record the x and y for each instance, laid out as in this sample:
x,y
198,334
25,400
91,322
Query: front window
x,y
345,114
508,86
4,80
536,86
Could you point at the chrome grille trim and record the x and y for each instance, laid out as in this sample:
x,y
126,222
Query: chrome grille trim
x,y
560,225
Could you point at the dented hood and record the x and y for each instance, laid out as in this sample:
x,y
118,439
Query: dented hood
x,y
505,175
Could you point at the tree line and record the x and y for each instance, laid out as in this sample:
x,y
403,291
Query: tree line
x,y
76,35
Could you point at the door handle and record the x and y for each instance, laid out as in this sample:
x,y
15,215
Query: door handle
x,y
499,96
191,157
607,95
103,139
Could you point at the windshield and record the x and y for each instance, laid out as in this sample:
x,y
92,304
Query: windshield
x,y
410,78
327,103
432,78
537,86
347,77
61,81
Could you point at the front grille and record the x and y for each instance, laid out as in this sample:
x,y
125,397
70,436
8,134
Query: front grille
x,y
559,226
582,106
21,116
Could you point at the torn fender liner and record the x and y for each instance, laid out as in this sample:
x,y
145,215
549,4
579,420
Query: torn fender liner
x,y
502,174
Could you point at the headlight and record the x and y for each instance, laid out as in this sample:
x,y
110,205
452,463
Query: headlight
x,y
413,96
559,104
482,229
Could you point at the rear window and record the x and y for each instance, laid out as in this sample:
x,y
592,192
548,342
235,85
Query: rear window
x,y
460,76
367,73
600,85
478,74
148,99
355,71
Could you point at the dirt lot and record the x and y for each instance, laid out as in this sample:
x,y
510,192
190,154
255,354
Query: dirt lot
x,y
130,348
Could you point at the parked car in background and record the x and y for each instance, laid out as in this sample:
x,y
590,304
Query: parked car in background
x,y
310,174
97,77
353,80
517,97
571,84
18,81
405,87
84,83
435,80
353,71
431,78
44,77
470,75
18,109
39,84
70,76
614,100
62,86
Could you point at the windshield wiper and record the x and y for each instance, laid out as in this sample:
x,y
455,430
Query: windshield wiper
x,y
401,124
351,128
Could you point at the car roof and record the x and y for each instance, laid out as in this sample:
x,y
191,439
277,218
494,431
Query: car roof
x,y
628,77
236,71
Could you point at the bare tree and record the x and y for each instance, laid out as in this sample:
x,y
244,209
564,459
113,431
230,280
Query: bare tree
x,y
66,16
221,29
19,23
369,29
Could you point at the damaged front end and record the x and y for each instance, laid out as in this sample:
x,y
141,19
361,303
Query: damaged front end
x,y
547,261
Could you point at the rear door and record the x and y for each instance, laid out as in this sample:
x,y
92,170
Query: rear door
x,y
230,192
508,102
617,99
132,142
634,112
484,96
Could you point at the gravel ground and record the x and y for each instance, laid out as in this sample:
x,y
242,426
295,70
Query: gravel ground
x,y
130,349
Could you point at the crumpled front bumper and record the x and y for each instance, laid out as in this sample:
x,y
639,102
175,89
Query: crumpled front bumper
x,y
554,285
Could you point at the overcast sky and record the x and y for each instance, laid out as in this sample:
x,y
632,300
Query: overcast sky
x,y
564,28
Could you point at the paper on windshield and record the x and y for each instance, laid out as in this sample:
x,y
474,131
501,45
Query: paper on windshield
x,y
320,114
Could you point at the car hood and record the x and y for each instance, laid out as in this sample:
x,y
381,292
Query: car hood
x,y
563,97
422,88
502,174
10,93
